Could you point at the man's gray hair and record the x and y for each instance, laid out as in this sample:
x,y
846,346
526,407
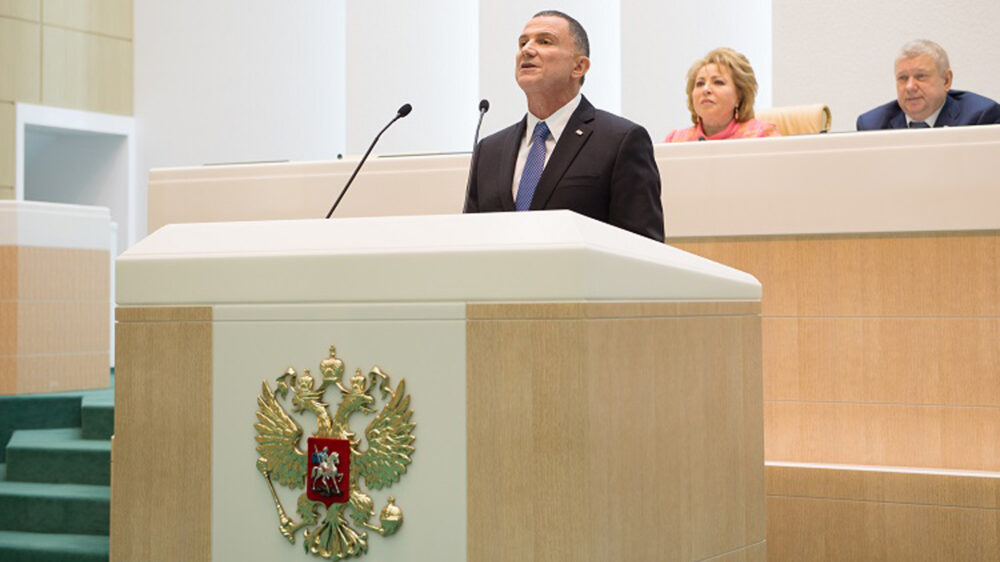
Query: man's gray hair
x,y
919,47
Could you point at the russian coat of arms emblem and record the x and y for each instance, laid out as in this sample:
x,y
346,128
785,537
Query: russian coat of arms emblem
x,y
334,511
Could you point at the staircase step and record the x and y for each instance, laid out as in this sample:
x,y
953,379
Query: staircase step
x,y
58,456
51,508
98,417
36,411
51,547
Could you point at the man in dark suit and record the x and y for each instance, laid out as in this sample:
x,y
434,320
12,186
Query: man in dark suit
x,y
565,154
924,97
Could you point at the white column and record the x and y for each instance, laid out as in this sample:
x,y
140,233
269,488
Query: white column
x,y
420,53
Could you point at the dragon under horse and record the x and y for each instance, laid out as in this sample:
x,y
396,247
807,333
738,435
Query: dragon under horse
x,y
389,451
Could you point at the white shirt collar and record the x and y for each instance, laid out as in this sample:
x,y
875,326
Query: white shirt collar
x,y
930,120
557,121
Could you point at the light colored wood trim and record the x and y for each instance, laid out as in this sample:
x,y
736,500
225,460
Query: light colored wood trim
x,y
613,438
929,274
8,139
62,373
63,274
107,17
163,401
548,310
753,553
163,314
979,490
58,327
949,437
20,63
883,360
821,530
86,71
8,272
21,9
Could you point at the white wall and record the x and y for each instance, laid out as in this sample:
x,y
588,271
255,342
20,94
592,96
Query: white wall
x,y
663,39
842,53
237,80
422,53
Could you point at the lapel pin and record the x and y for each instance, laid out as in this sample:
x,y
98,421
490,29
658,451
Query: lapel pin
x,y
579,133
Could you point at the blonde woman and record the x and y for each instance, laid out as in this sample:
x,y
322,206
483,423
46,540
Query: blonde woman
x,y
721,88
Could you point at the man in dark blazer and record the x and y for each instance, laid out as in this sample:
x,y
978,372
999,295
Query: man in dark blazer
x,y
924,97
565,154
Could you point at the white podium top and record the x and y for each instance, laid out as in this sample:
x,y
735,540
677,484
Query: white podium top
x,y
536,256
54,225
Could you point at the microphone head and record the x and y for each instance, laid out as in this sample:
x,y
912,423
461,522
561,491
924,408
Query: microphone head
x,y
404,110
484,105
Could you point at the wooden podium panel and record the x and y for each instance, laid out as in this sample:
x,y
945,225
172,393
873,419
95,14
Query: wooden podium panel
x,y
589,428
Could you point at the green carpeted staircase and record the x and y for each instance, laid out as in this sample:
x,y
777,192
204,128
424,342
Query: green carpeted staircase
x,y
55,466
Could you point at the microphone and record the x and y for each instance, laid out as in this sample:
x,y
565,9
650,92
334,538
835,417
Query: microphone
x,y
484,106
403,111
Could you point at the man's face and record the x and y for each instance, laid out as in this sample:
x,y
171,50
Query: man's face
x,y
547,58
920,86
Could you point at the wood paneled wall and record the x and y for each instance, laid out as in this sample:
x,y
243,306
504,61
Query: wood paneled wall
x,y
53,319
880,353
64,53
878,349
614,432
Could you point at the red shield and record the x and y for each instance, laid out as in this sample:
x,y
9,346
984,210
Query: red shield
x,y
328,477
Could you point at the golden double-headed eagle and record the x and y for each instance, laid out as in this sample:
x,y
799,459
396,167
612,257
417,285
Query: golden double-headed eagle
x,y
328,527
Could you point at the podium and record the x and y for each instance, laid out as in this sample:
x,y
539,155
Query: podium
x,y
576,392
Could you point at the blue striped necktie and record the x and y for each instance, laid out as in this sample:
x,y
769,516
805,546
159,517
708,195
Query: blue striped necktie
x,y
533,167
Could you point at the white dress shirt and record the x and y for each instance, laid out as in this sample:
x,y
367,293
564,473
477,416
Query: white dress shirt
x,y
556,123
930,120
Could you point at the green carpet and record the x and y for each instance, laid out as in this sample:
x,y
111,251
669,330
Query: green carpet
x,y
54,488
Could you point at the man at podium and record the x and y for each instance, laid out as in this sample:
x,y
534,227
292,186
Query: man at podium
x,y
565,154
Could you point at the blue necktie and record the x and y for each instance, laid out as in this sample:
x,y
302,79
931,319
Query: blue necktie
x,y
919,125
533,167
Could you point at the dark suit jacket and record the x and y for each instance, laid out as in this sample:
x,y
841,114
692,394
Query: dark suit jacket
x,y
960,108
606,172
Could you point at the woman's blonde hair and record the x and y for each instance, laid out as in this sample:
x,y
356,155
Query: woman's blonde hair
x,y
743,78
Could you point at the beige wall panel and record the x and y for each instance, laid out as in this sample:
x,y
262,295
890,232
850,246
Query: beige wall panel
x,y
7,192
61,327
541,311
846,531
8,136
64,274
890,360
8,374
869,275
58,373
163,398
8,272
85,71
163,313
883,434
108,17
957,489
679,393
8,332
20,61
21,9
755,553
